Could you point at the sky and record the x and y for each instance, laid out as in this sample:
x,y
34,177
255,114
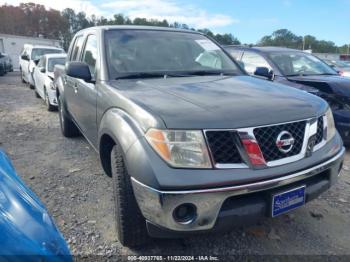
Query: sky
x,y
248,20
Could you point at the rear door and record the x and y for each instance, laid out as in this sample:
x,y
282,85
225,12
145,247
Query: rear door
x,y
86,92
39,76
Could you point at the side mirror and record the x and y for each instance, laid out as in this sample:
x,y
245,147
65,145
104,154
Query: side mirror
x,y
264,72
36,61
78,70
42,69
25,57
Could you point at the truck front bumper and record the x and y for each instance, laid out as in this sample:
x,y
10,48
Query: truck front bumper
x,y
241,203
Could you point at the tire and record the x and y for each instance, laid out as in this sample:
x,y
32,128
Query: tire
x,y
68,128
22,79
130,224
36,93
30,85
47,102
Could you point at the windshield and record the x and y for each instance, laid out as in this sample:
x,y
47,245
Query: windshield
x,y
55,61
37,53
298,63
164,52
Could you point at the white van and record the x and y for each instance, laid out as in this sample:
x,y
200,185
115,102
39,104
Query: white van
x,y
30,56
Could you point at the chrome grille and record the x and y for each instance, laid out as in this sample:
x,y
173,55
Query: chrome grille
x,y
267,136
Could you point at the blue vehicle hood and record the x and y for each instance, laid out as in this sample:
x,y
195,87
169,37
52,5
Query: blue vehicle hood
x,y
328,84
25,225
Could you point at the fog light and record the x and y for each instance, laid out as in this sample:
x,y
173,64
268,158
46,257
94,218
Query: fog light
x,y
185,213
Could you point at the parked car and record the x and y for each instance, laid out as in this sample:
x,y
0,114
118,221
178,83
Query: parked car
x,y
6,64
25,225
30,56
193,144
9,64
303,71
2,65
341,67
43,78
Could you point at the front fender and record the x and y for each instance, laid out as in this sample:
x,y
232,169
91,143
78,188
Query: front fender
x,y
120,126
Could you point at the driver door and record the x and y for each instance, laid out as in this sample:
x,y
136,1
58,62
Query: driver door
x,y
86,95
39,77
36,75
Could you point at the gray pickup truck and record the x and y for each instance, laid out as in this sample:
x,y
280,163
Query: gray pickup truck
x,y
192,143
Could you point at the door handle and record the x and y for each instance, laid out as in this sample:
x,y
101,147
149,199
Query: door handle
x,y
75,88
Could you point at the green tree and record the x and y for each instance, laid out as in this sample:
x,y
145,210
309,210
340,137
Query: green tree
x,y
282,37
286,38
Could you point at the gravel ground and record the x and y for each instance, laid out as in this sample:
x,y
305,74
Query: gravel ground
x,y
66,175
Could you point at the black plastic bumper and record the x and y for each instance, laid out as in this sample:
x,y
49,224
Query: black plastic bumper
x,y
342,123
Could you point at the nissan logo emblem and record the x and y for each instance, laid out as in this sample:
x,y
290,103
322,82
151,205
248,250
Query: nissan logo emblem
x,y
285,142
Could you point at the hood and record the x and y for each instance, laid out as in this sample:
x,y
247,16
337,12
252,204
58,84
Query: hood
x,y
344,69
220,102
332,84
25,226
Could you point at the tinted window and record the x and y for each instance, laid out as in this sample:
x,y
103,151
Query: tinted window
x,y
77,46
163,51
298,63
42,62
236,54
37,53
90,53
252,60
55,61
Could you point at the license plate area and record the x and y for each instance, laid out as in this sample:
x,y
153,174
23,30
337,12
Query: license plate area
x,y
288,200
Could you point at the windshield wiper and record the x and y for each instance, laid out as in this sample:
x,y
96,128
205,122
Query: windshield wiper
x,y
165,74
208,72
148,75
322,74
139,75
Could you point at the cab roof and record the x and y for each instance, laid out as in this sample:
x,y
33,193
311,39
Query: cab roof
x,y
55,56
263,49
137,27
42,46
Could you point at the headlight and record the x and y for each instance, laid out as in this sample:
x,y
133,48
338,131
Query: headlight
x,y
330,125
180,148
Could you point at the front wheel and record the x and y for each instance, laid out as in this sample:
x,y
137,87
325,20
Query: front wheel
x,y
47,102
31,86
22,77
36,93
130,224
68,127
